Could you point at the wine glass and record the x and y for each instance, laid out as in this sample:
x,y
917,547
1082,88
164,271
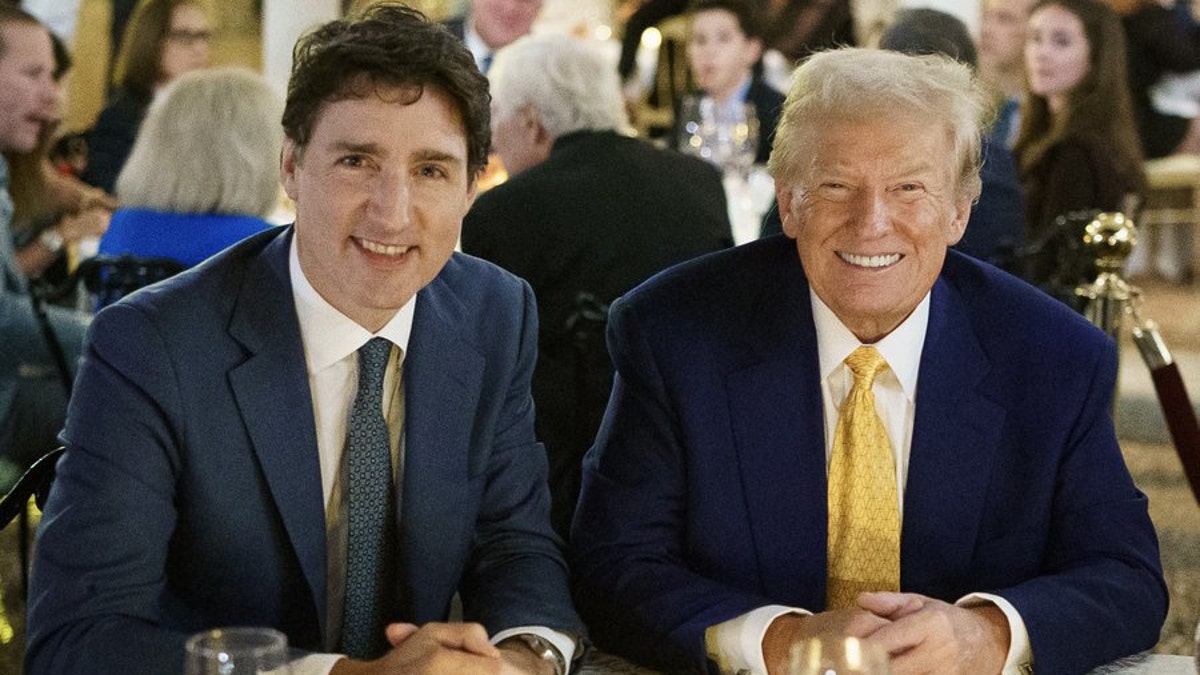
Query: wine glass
x,y
837,656
725,135
737,138
237,651
697,128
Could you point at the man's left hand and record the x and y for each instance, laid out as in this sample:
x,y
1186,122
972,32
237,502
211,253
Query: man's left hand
x,y
931,636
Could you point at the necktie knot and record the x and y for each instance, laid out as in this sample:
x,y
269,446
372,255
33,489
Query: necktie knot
x,y
865,363
372,362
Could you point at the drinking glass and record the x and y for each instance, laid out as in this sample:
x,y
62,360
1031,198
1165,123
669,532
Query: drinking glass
x,y
837,656
726,135
237,651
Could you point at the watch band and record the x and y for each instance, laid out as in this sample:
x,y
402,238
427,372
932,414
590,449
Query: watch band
x,y
545,651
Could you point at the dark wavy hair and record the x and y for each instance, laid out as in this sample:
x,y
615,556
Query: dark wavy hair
x,y
388,45
744,11
1099,109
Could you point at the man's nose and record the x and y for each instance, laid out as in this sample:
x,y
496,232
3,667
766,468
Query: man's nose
x,y
871,211
392,198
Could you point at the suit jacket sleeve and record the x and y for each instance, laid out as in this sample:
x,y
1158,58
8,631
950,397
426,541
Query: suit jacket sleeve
x,y
634,584
1099,593
98,583
517,575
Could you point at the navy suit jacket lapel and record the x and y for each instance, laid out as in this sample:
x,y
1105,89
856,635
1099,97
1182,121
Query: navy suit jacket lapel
x,y
443,378
272,392
949,464
778,427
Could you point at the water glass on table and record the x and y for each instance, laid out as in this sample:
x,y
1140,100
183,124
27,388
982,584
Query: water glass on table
x,y
237,651
837,656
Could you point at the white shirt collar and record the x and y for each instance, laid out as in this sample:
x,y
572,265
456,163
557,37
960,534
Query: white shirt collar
x,y
901,348
330,336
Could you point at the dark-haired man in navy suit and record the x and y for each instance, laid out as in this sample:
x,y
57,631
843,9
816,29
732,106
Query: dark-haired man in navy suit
x,y
215,472
997,529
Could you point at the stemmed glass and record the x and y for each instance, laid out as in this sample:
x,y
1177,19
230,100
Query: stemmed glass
x,y
726,135
237,651
837,656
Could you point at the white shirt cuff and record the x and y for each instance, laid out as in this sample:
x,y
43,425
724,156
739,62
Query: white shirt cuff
x,y
736,645
315,664
321,664
1020,654
565,644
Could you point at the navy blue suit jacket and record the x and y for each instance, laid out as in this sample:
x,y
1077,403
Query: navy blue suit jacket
x,y
190,493
704,496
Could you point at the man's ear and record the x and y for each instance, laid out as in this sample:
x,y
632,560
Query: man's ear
x,y
289,159
958,226
785,201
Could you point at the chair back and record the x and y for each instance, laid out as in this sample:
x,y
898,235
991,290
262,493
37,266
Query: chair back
x,y
35,482
654,115
109,278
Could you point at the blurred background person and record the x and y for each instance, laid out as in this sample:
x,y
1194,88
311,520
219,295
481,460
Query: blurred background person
x,y
33,398
996,228
1158,43
163,40
795,28
724,46
1002,61
1078,148
490,25
53,211
203,173
587,213
1163,41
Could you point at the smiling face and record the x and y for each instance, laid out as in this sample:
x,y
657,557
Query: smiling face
x,y
381,189
720,53
30,96
1057,54
872,218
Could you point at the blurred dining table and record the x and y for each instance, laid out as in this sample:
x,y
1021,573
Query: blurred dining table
x,y
601,663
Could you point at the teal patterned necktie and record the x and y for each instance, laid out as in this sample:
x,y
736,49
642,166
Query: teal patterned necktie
x,y
371,526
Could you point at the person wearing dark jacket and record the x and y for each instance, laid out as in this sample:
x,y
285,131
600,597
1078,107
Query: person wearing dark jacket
x,y
587,213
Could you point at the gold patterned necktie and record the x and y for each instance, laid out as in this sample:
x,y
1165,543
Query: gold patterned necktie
x,y
864,510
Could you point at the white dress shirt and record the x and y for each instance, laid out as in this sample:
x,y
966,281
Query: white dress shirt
x,y
331,341
736,645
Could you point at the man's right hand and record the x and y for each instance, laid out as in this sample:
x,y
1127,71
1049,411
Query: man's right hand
x,y
432,649
788,629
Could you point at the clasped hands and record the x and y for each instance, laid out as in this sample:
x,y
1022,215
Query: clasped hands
x,y
920,634
445,648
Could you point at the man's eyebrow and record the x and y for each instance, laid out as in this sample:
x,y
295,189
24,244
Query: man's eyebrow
x,y
365,148
431,155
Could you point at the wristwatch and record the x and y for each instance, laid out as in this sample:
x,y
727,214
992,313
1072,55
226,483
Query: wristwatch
x,y
51,239
544,651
